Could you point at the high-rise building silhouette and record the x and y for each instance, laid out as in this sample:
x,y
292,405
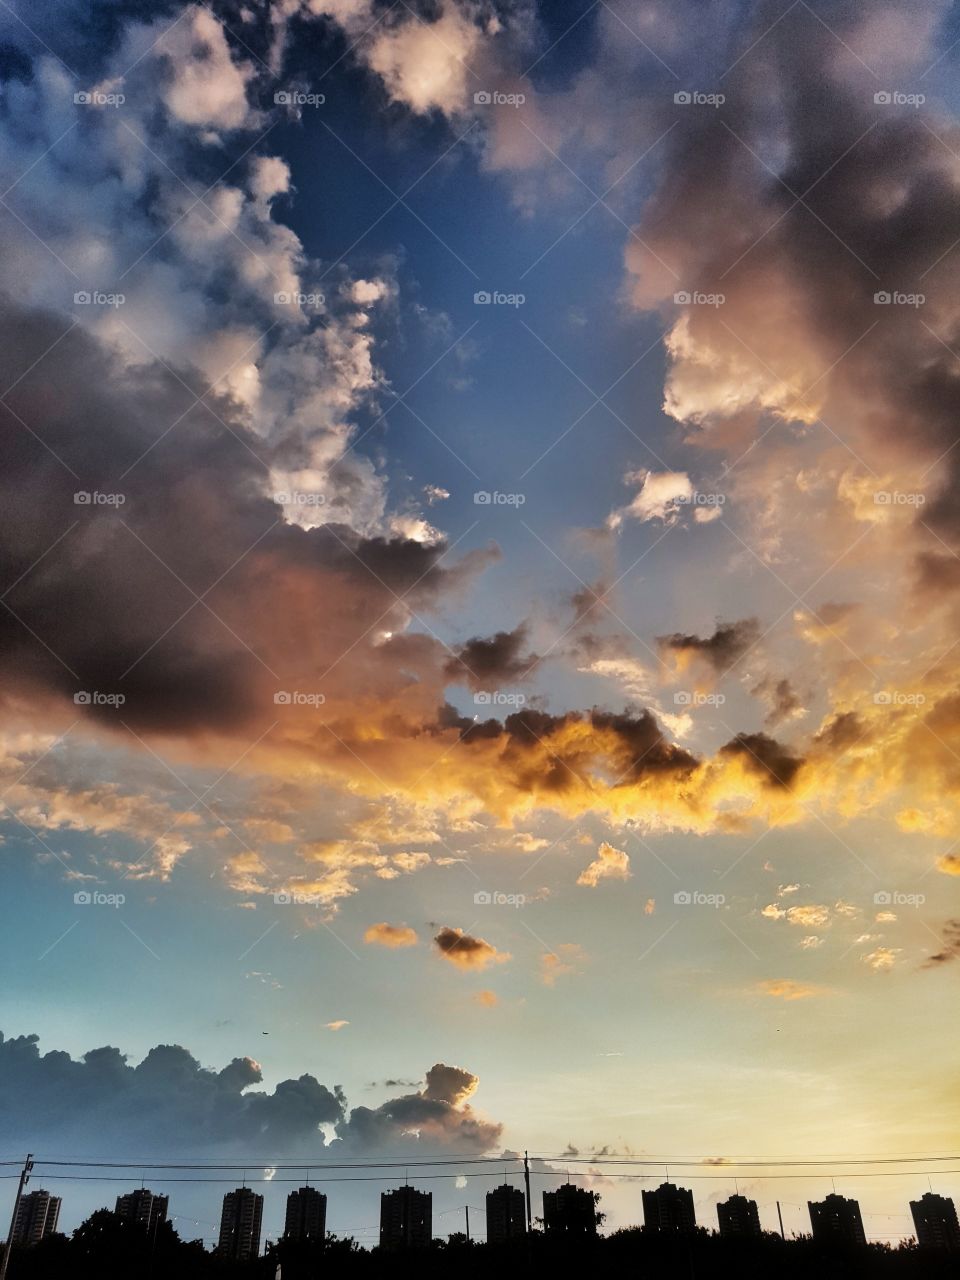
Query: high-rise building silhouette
x,y
306,1215
406,1218
142,1207
37,1216
570,1210
836,1218
240,1224
935,1218
738,1216
506,1214
669,1208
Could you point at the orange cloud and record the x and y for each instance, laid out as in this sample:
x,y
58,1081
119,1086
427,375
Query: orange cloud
x,y
609,864
787,989
467,952
390,935
949,864
561,962
489,999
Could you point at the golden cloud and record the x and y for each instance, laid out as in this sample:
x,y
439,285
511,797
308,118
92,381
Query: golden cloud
x,y
390,935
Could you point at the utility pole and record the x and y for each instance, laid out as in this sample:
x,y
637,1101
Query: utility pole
x,y
24,1179
526,1179
779,1215
466,1210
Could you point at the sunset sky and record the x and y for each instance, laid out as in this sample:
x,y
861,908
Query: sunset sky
x,y
480,568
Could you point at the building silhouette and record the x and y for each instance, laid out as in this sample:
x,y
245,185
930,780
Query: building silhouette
x,y
240,1224
836,1218
570,1210
935,1218
406,1218
37,1216
669,1208
506,1214
142,1207
738,1216
306,1215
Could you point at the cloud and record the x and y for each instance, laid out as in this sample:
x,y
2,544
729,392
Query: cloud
x,y
561,962
949,864
609,864
391,935
487,663
488,999
337,1025
882,959
729,642
467,952
170,1104
949,946
782,700
787,989
660,497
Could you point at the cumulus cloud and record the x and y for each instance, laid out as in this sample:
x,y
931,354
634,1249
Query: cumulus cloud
x,y
169,1104
659,497
564,960
949,864
729,642
949,946
391,935
464,951
609,864
487,662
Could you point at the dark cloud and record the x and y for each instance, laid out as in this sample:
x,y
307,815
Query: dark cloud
x,y
766,756
730,641
465,951
170,1104
104,597
949,946
492,661
783,701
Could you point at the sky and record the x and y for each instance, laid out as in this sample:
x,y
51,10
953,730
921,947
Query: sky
x,y
480,575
